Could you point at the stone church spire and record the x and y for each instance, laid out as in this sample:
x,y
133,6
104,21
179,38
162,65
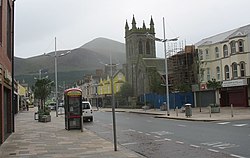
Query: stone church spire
x,y
133,23
152,28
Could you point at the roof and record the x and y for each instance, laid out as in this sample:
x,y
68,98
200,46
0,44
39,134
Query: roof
x,y
241,31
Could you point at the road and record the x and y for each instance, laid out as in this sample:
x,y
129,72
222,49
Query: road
x,y
155,137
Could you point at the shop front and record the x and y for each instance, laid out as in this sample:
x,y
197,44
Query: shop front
x,y
235,92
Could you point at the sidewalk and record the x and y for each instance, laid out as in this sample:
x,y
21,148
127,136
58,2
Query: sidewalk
x,y
239,113
33,139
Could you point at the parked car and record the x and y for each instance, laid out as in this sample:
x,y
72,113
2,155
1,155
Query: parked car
x,y
87,111
52,105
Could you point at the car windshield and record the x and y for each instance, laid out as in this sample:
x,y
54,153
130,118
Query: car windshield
x,y
85,106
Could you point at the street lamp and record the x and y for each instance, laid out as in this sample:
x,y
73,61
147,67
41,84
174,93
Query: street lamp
x,y
56,86
111,65
164,40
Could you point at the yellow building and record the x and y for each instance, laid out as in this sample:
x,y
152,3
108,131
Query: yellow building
x,y
104,86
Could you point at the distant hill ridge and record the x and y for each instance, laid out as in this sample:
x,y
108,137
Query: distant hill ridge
x,y
86,58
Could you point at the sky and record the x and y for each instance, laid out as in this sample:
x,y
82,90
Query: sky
x,y
76,22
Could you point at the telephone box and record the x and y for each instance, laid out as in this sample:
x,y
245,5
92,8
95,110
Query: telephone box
x,y
73,108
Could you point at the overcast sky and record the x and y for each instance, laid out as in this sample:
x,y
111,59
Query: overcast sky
x,y
76,22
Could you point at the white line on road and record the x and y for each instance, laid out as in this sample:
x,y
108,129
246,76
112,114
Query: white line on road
x,y
124,144
210,144
157,137
167,139
238,156
160,140
178,142
182,125
147,134
140,132
216,151
240,125
223,123
195,146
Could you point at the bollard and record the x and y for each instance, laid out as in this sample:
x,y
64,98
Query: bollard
x,y
210,111
176,111
232,112
81,123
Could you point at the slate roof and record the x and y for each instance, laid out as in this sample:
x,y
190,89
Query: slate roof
x,y
241,31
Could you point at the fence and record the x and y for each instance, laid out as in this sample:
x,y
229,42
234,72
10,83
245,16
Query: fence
x,y
175,99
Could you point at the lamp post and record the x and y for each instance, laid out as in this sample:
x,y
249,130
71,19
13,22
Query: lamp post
x,y
56,86
164,40
111,65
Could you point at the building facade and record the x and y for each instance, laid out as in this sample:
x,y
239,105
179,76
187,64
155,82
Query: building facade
x,y
226,58
6,58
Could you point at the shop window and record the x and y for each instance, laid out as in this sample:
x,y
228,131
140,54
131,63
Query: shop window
x,y
227,76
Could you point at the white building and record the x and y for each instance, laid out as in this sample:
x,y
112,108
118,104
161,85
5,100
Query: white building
x,y
226,58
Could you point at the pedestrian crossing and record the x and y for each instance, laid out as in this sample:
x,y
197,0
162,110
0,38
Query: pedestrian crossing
x,y
233,124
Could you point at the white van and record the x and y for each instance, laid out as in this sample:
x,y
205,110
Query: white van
x,y
87,111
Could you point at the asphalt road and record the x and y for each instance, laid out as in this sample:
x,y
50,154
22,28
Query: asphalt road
x,y
155,137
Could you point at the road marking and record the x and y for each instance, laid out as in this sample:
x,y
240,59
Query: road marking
x,y
168,139
216,151
160,140
133,143
149,120
195,146
220,145
147,134
223,123
157,137
182,125
210,144
128,130
140,132
105,132
162,133
238,156
239,125
178,142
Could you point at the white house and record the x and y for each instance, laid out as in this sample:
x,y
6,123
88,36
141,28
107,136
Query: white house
x,y
226,58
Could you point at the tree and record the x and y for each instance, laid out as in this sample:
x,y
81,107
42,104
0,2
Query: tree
x,y
214,85
42,90
125,92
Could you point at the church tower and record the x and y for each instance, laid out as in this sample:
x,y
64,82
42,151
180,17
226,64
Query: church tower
x,y
138,46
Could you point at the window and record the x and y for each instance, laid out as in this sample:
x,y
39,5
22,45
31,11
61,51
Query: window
x,y
227,72
233,47
234,70
241,46
242,69
225,51
201,54
140,47
218,72
147,47
208,74
207,54
217,55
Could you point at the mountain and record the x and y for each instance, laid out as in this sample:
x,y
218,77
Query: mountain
x,y
82,60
